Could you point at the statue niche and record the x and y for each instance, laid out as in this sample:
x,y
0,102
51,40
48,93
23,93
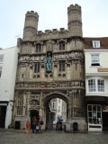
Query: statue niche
x,y
48,62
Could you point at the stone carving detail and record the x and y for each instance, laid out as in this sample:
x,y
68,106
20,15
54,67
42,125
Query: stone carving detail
x,y
52,85
31,59
34,102
62,56
35,97
71,55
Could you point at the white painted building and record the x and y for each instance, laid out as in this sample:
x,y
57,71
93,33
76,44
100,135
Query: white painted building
x,y
96,75
59,109
56,108
8,67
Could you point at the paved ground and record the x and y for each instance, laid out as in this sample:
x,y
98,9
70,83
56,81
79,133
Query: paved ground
x,y
51,137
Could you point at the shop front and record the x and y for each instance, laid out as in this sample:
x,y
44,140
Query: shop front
x,y
94,117
97,113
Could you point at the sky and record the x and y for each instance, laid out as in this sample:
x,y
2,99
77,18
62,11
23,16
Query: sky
x,y
52,14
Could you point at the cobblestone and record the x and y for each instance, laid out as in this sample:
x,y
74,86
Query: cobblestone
x,y
51,137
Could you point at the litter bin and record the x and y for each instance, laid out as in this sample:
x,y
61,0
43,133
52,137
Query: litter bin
x,y
75,126
17,124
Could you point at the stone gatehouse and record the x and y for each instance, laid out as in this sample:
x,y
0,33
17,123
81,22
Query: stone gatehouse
x,y
51,65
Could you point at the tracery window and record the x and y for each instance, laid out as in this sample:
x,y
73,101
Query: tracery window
x,y
77,111
61,45
37,67
20,104
61,66
38,47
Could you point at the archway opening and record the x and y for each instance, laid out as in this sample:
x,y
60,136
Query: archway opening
x,y
56,106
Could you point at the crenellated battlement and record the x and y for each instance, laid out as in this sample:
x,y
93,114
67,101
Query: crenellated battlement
x,y
74,26
53,31
32,13
74,7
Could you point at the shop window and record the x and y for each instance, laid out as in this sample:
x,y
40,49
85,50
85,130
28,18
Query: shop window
x,y
94,114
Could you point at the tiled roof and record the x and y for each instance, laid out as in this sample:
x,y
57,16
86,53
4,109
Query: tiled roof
x,y
88,42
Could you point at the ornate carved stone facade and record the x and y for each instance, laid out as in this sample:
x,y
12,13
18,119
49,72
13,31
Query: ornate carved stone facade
x,y
35,86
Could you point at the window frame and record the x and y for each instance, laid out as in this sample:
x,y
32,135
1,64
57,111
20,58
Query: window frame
x,y
101,85
96,43
92,85
96,86
95,60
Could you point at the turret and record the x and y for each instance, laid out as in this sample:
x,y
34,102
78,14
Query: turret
x,y
74,20
31,25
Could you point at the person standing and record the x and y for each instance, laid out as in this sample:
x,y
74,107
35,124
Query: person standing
x,y
41,123
34,121
27,127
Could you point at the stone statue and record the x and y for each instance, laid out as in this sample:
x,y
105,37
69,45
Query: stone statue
x,y
48,63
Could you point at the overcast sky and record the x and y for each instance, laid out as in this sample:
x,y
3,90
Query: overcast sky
x,y
52,14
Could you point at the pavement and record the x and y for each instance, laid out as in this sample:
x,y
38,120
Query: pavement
x,y
12,136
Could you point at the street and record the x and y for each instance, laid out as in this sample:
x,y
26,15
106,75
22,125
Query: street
x,y
51,137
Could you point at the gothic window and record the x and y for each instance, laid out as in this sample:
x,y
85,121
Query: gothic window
x,y
19,110
20,100
61,66
62,45
76,66
77,111
37,68
38,47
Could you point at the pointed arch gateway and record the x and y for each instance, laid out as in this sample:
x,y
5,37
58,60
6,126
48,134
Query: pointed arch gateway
x,y
48,114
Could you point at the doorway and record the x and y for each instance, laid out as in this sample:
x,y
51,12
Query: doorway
x,y
2,116
105,121
34,113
